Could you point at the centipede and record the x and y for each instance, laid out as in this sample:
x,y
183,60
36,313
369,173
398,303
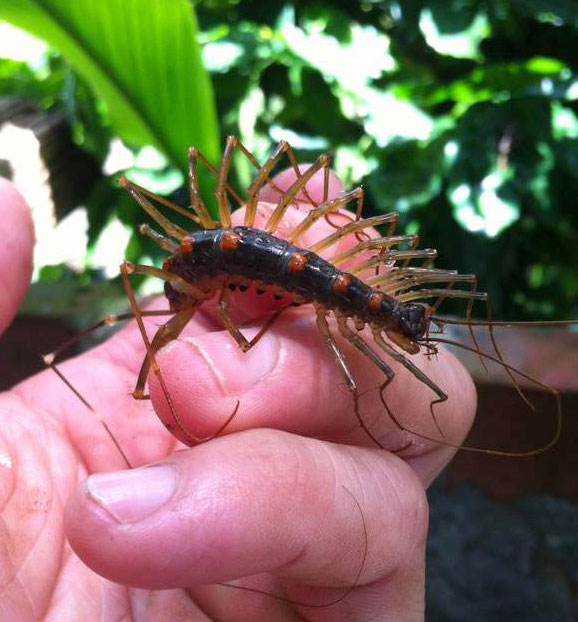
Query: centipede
x,y
216,259
380,294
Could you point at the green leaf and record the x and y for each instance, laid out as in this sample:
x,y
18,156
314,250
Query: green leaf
x,y
141,57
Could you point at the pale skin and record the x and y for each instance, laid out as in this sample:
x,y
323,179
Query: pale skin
x,y
268,500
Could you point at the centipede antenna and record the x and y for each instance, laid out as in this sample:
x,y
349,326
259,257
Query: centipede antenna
x,y
523,454
508,324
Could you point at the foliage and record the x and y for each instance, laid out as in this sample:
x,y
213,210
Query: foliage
x,y
460,114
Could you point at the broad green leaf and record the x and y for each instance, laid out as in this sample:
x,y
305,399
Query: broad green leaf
x,y
141,57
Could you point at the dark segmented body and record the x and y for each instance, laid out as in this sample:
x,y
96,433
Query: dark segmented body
x,y
254,255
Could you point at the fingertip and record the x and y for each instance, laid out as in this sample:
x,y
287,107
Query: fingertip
x,y
317,190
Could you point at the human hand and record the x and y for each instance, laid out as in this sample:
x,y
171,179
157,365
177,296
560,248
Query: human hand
x,y
266,501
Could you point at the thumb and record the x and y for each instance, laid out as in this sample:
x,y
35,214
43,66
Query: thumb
x,y
17,235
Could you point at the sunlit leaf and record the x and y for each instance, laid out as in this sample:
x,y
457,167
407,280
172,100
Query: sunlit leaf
x,y
141,57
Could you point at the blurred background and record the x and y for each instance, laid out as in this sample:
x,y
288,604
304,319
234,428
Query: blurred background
x,y
461,115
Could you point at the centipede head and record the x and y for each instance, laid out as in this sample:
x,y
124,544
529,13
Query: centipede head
x,y
414,321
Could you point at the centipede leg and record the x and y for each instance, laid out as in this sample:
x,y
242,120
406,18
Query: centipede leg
x,y
357,227
418,373
332,346
261,178
169,227
50,361
164,201
165,334
244,344
220,191
126,270
197,203
290,194
325,208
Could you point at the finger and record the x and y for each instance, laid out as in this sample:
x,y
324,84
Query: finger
x,y
17,234
259,502
315,188
290,381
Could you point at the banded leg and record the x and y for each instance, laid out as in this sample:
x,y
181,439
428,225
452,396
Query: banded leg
x,y
50,361
164,201
170,228
418,373
332,346
427,254
262,177
380,244
221,191
322,210
197,203
160,240
223,311
355,227
167,335
289,194
233,142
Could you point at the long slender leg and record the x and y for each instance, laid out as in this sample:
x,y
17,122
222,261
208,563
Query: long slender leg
x,y
325,208
291,157
126,270
223,311
418,373
332,346
165,334
50,361
428,254
355,227
293,191
164,201
197,203
260,180
165,243
221,192
381,243
170,228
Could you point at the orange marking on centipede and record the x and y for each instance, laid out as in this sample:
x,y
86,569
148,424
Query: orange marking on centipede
x,y
186,246
229,241
341,283
375,301
297,262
